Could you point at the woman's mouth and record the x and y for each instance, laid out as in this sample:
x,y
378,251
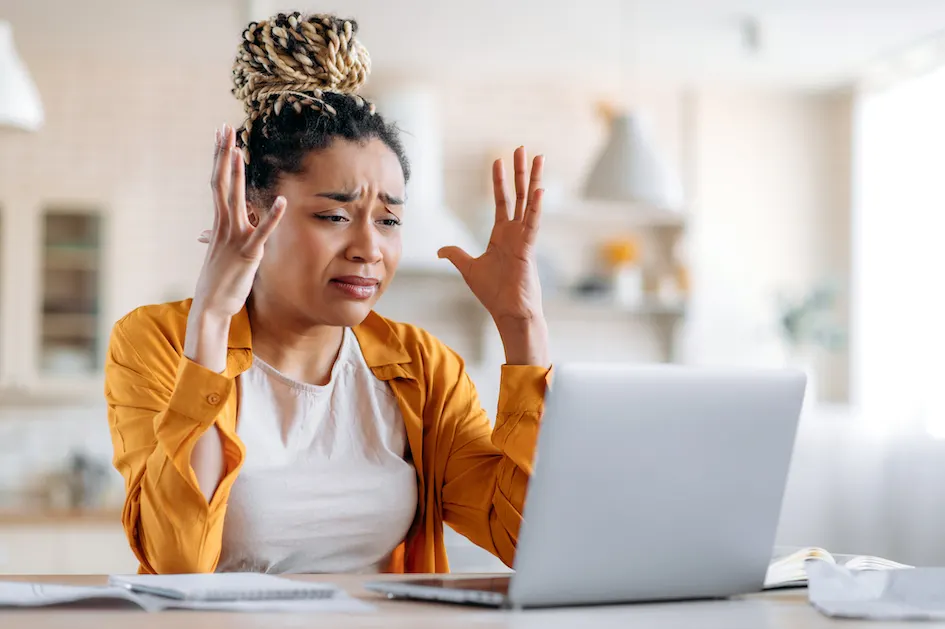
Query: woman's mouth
x,y
355,286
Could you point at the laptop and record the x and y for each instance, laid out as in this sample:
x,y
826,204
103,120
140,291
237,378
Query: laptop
x,y
651,483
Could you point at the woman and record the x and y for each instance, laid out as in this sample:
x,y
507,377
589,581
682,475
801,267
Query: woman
x,y
274,422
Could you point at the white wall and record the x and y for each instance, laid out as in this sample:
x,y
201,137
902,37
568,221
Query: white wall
x,y
771,212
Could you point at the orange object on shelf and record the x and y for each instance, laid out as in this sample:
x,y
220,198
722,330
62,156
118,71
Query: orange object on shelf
x,y
620,252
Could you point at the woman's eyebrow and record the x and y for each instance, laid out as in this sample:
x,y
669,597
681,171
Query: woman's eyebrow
x,y
390,199
348,197
343,197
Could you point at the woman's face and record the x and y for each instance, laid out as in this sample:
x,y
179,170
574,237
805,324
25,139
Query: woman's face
x,y
337,247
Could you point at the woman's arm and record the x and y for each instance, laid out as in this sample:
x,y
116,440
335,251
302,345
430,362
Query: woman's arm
x,y
164,404
160,411
205,345
487,469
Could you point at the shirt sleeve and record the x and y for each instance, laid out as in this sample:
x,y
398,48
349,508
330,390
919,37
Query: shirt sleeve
x,y
487,468
159,404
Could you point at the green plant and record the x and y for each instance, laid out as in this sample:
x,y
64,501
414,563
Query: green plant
x,y
812,320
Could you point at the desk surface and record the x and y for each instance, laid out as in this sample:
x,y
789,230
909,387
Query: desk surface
x,y
780,610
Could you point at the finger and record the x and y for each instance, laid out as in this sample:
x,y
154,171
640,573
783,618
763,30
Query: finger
x,y
533,218
226,173
520,189
221,182
459,258
534,180
215,175
267,224
501,195
237,193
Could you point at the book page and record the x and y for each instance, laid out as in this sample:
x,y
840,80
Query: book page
x,y
789,570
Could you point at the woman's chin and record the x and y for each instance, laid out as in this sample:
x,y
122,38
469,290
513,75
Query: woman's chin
x,y
346,314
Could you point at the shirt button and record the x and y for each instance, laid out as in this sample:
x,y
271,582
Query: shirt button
x,y
213,399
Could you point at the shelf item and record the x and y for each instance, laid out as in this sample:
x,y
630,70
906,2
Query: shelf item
x,y
631,168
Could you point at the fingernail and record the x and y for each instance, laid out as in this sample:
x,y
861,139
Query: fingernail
x,y
216,134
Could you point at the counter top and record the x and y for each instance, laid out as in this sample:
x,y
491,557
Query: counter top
x,y
772,610
53,517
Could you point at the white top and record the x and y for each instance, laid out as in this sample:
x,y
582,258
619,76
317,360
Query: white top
x,y
324,486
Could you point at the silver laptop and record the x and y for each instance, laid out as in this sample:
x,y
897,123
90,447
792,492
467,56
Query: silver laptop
x,y
651,483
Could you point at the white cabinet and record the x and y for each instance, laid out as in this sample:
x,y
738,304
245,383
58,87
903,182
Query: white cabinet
x,y
52,281
65,548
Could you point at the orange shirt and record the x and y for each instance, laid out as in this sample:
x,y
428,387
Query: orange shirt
x,y
469,475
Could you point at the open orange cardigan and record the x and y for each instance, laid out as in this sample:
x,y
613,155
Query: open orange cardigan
x,y
469,475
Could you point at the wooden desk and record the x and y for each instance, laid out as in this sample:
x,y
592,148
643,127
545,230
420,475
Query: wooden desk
x,y
776,610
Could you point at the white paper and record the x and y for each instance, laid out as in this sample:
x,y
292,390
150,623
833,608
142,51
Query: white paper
x,y
904,594
19,594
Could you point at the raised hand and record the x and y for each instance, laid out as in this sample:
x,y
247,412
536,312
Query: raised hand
x,y
505,278
235,244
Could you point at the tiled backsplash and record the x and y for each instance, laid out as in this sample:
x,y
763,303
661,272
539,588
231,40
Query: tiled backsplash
x,y
36,442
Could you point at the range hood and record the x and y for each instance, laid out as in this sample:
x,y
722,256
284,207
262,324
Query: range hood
x,y
20,106
428,222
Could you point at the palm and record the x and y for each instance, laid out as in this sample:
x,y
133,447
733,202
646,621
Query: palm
x,y
505,277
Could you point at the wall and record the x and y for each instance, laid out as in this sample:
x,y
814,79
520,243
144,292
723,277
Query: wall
x,y
771,214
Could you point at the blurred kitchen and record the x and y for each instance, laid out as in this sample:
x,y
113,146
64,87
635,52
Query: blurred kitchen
x,y
728,182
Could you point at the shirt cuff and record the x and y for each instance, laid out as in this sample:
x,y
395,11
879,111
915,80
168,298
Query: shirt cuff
x,y
199,393
522,388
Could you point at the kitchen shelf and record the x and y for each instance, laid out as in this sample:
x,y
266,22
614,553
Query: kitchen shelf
x,y
66,258
575,306
612,213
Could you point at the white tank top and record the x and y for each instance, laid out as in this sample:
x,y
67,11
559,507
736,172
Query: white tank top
x,y
324,486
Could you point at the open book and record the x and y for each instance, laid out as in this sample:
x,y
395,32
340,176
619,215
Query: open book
x,y
789,570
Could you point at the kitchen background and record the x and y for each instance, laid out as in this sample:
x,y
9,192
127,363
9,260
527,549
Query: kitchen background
x,y
728,182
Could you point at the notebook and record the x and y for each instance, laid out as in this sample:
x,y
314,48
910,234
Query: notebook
x,y
227,586
790,569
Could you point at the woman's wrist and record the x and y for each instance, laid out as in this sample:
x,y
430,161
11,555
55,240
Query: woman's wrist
x,y
525,341
207,338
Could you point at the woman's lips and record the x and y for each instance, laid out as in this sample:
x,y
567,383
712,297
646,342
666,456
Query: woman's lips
x,y
356,287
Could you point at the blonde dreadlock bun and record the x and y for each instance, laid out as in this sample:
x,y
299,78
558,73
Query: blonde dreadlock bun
x,y
290,61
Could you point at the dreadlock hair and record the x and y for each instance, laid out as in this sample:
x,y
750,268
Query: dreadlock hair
x,y
298,77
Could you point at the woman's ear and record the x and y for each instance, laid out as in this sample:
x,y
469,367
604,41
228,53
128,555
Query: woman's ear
x,y
252,214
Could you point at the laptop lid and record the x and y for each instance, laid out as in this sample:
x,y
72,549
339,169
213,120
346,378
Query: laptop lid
x,y
655,483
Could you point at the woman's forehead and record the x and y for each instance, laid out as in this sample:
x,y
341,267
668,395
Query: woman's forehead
x,y
347,165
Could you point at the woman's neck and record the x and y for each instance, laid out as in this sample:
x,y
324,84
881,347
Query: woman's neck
x,y
301,351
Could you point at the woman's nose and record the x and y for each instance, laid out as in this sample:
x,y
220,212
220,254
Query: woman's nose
x,y
365,244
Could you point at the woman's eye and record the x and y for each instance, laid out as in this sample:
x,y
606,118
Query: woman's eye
x,y
332,218
390,222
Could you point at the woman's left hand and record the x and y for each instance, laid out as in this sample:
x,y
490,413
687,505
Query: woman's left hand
x,y
505,278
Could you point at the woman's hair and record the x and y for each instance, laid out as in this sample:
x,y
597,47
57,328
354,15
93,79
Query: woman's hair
x,y
298,76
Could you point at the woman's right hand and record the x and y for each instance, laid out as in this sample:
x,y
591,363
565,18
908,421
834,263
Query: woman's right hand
x,y
235,244
234,252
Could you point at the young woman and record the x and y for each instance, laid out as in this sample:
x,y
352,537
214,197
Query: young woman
x,y
274,422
